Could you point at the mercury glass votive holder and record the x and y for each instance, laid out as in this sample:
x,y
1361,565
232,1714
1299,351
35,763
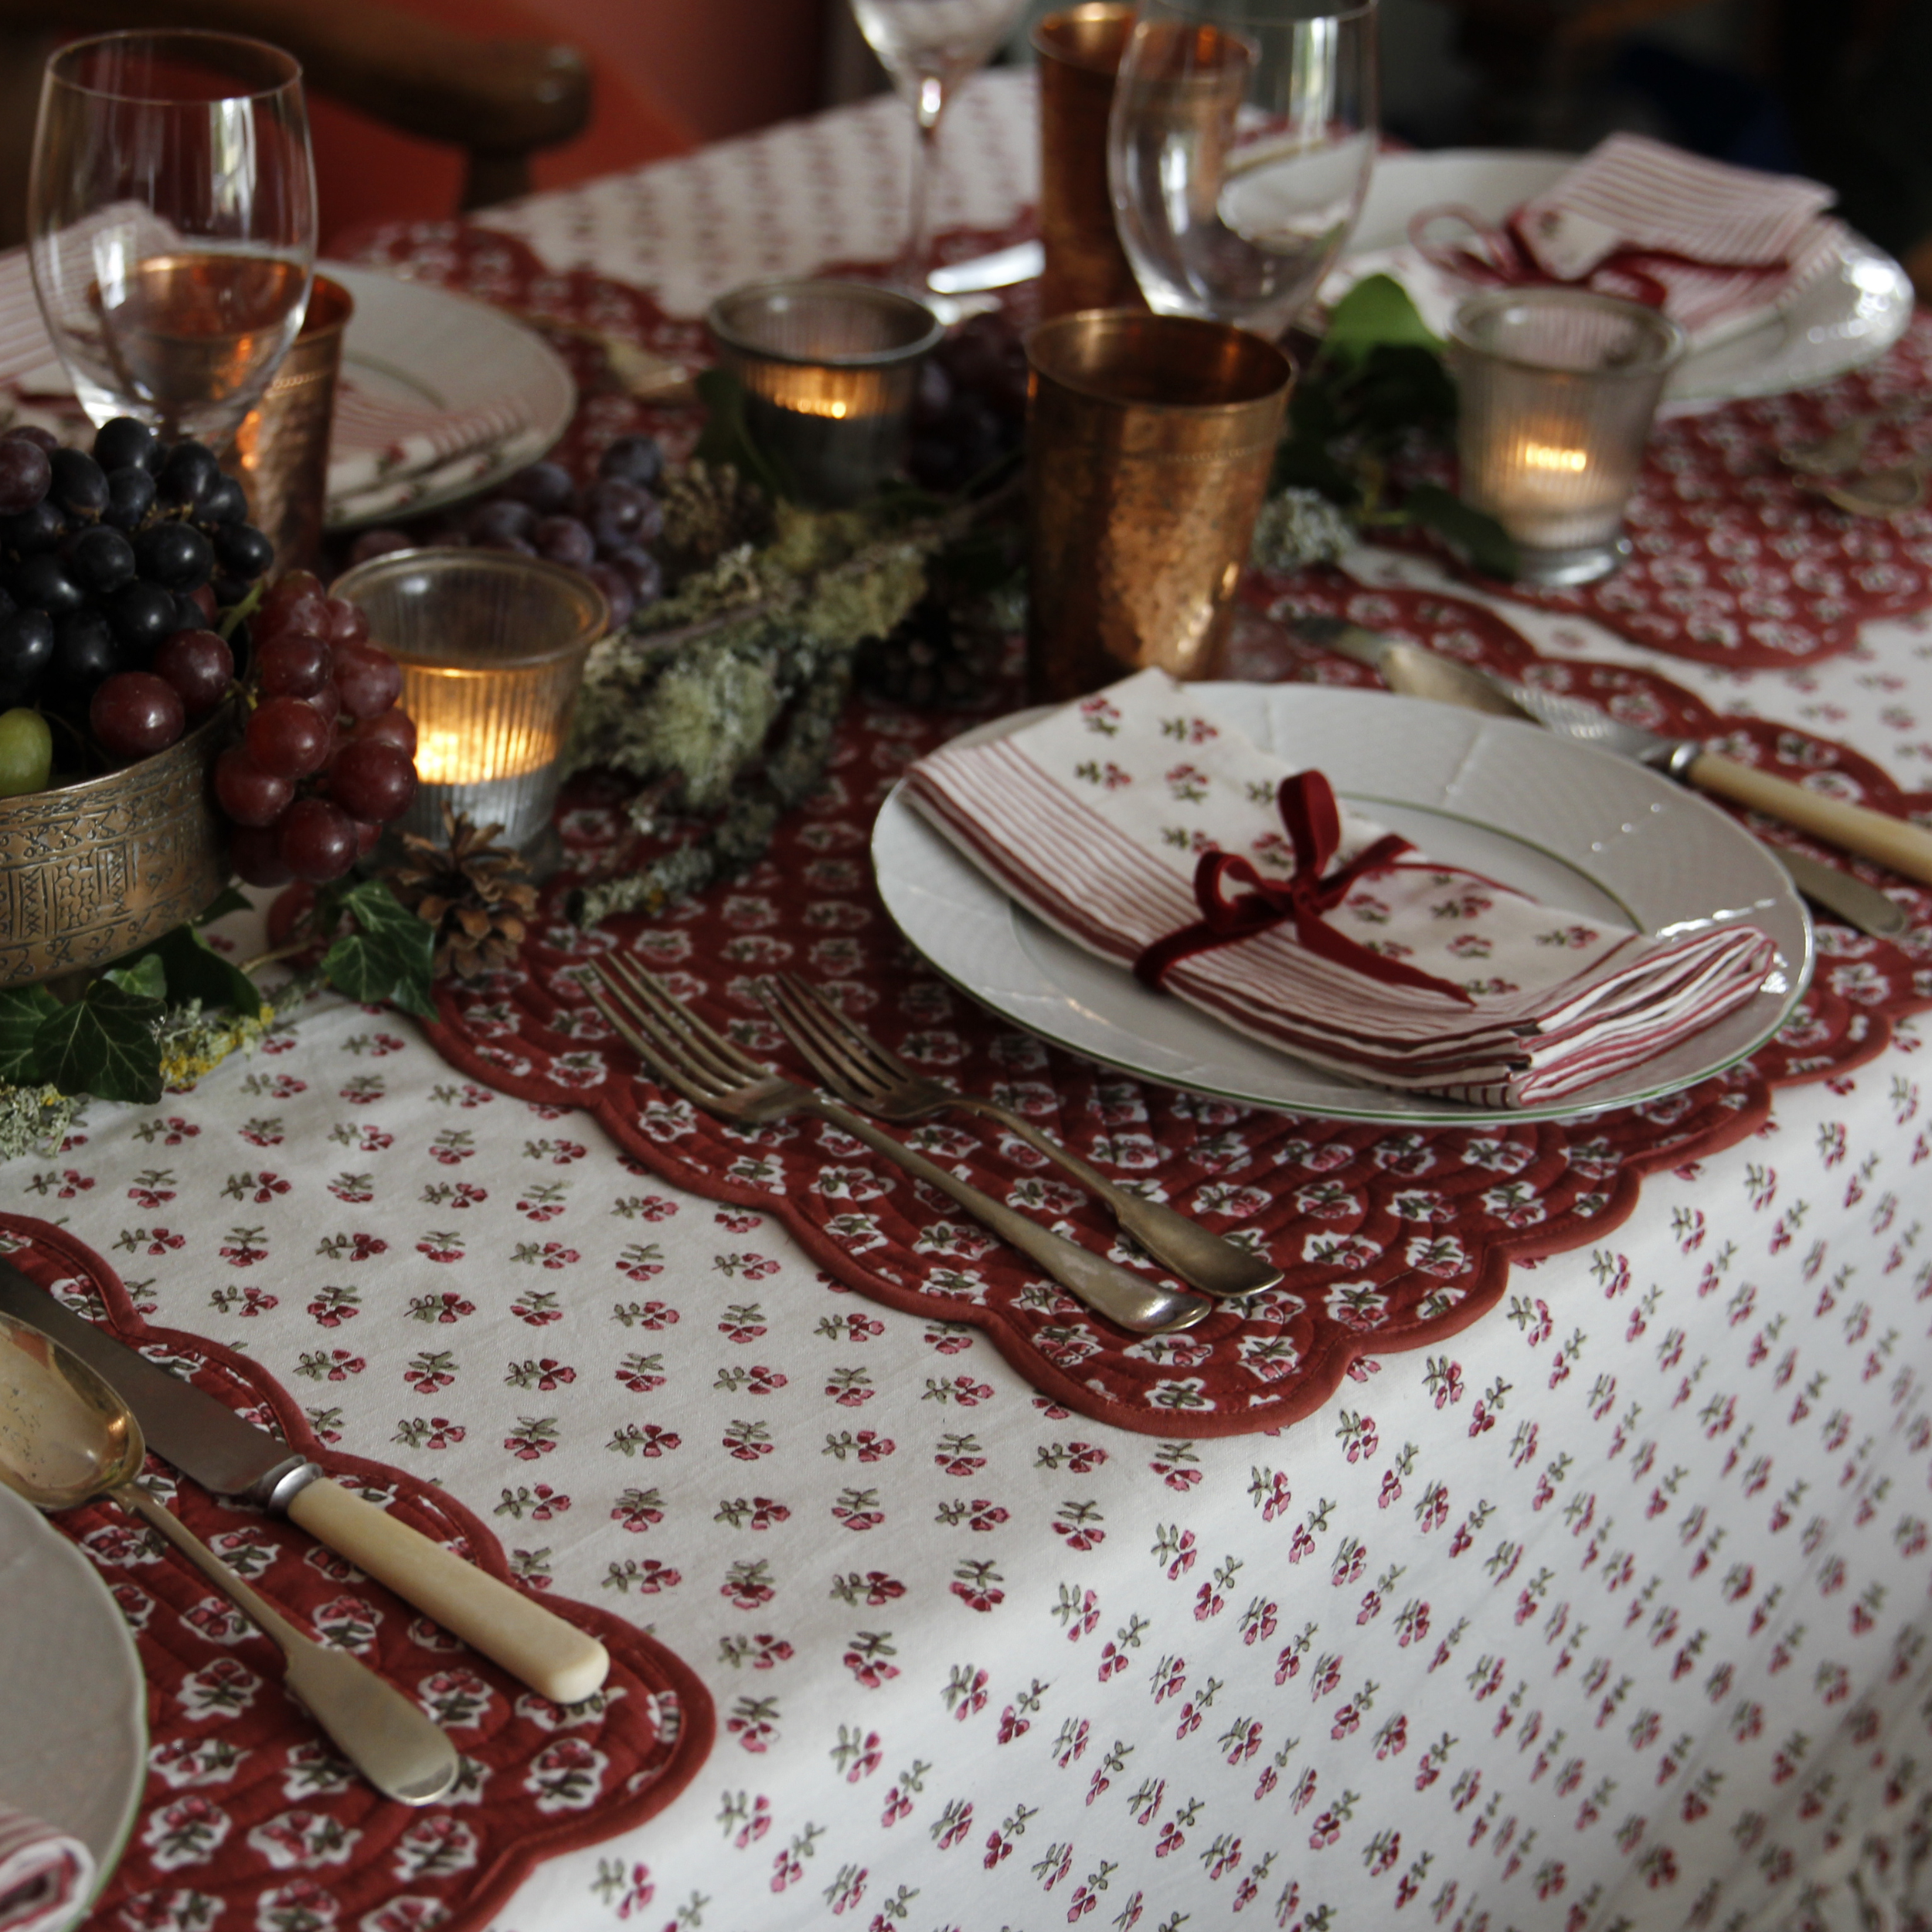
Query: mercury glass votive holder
x,y
492,647
829,369
1558,388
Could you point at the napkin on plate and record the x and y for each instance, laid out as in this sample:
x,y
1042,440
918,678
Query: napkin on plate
x,y
45,1874
378,446
1718,249
1167,842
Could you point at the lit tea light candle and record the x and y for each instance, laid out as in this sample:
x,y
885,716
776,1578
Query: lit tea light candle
x,y
828,370
491,647
1558,386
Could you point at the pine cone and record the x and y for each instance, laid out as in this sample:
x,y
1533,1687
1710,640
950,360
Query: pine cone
x,y
933,658
708,510
476,894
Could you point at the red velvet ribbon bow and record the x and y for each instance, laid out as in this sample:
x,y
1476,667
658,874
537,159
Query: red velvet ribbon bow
x,y
1307,803
1499,257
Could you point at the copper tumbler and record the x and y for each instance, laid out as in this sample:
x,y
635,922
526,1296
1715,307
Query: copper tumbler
x,y
1080,52
282,442
1149,442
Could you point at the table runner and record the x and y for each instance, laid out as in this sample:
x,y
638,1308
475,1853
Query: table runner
x,y
237,1773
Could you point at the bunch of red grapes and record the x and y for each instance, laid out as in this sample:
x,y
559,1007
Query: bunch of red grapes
x,y
327,761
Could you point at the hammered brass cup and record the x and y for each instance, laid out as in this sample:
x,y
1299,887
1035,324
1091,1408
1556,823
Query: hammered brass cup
x,y
95,870
1080,52
282,446
1149,442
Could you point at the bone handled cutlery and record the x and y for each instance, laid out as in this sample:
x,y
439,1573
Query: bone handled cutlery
x,y
855,1067
66,1437
692,1059
1895,842
205,1439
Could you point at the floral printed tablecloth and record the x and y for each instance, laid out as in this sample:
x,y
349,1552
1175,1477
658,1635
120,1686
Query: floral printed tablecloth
x,y
1607,1612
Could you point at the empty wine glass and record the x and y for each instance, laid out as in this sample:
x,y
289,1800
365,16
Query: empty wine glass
x,y
929,47
171,218
1242,137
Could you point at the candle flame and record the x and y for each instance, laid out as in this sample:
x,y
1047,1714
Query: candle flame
x,y
459,758
834,406
1547,456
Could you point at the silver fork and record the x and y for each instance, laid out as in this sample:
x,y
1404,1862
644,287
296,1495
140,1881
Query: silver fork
x,y
857,1069
688,1056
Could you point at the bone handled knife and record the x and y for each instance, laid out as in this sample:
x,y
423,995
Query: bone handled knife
x,y
1415,672
204,1438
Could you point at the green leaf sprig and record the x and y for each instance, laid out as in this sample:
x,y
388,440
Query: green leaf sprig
x,y
1378,381
109,1040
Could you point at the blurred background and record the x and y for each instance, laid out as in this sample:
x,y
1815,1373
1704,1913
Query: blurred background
x,y
1830,87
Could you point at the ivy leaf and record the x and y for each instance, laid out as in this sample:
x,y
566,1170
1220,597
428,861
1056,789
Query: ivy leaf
x,y
193,969
1397,389
104,1043
1479,537
21,1010
230,899
1377,310
144,976
389,954
727,437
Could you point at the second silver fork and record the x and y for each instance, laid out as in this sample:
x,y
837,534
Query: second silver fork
x,y
712,1072
859,1070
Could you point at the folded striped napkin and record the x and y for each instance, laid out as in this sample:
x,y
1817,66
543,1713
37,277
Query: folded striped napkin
x,y
1718,249
45,1876
1164,840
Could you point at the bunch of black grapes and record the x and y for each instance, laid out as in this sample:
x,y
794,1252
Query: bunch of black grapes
x,y
970,414
605,531
112,566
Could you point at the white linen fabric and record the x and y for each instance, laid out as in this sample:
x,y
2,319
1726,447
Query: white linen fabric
x,y
45,1874
1096,817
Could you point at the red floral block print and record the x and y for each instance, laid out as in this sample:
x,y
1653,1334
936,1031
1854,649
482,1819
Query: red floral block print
x,y
247,1804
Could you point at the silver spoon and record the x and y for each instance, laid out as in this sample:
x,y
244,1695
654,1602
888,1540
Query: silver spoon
x,y
66,1437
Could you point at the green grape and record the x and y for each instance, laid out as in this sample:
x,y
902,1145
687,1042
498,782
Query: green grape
x,y
26,752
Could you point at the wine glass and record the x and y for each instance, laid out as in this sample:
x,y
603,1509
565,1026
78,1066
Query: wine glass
x,y
1242,137
171,220
929,47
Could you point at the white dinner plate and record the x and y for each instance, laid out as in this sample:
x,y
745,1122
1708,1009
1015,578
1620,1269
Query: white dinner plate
x,y
1575,827
421,348
1849,315
73,1699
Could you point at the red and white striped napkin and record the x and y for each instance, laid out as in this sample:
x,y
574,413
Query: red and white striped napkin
x,y
1718,249
45,1876
1729,245
1130,817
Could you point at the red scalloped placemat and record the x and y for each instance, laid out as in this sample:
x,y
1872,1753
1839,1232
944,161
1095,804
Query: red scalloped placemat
x,y
1392,1238
246,1806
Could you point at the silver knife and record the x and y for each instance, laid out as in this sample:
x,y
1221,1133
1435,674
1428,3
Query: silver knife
x,y
204,1438
1416,672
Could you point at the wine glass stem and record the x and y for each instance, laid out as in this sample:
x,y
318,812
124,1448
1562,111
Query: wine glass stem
x,y
928,105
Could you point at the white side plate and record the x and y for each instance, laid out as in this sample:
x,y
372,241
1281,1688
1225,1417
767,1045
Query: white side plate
x,y
73,1700
1577,827
423,347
